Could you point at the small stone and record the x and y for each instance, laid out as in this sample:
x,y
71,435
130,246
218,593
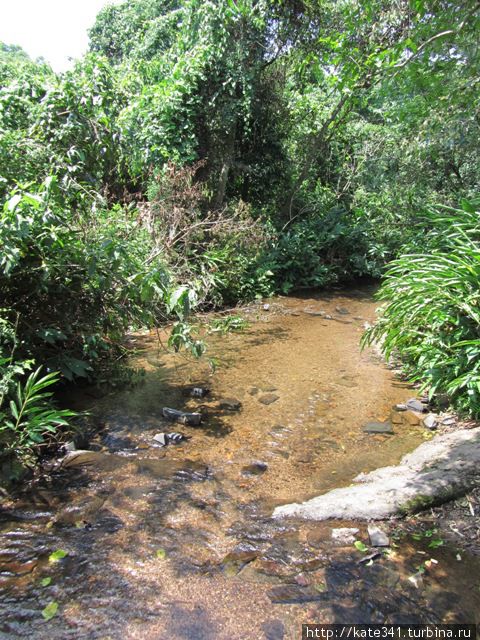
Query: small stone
x,y
70,446
344,535
268,398
192,419
175,437
416,405
378,538
199,392
257,468
342,311
430,422
161,438
448,421
266,307
411,418
378,427
253,391
268,388
417,580
273,630
328,317
400,407
230,404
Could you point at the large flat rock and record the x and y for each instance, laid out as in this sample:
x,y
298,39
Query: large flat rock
x,y
438,470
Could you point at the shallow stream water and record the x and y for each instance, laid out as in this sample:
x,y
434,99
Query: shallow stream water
x,y
178,542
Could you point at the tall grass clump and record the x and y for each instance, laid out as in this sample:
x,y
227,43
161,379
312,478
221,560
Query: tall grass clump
x,y
431,315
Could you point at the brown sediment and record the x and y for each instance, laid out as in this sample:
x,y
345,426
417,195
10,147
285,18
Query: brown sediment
x,y
177,542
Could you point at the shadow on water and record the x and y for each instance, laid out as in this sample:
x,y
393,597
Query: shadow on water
x,y
177,542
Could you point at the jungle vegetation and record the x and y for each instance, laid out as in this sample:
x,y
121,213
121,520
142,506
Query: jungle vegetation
x,y
207,152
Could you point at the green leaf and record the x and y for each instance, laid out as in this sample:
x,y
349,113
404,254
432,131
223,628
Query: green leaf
x,y
45,581
50,610
358,544
57,555
161,554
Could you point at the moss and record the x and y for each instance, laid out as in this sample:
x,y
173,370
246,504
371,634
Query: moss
x,y
422,502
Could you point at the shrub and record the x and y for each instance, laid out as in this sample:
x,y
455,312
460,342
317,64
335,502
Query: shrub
x,y
431,318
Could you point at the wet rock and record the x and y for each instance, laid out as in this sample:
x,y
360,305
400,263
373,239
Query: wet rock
x,y
81,510
192,419
175,437
416,405
378,427
257,468
371,556
310,312
406,418
295,594
273,630
198,392
342,311
268,398
96,459
344,535
438,470
235,561
268,388
378,538
448,421
230,404
430,422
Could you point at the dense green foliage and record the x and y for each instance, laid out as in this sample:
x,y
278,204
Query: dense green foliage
x,y
207,152
432,312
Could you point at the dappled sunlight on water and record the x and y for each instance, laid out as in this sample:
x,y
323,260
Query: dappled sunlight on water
x,y
177,542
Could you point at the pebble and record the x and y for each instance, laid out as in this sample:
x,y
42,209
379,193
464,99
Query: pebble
x,y
161,438
378,538
230,404
415,405
268,398
257,468
430,422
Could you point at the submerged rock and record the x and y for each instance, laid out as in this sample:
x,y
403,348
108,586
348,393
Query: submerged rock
x,y
408,418
378,427
268,398
255,469
230,404
295,594
192,419
443,468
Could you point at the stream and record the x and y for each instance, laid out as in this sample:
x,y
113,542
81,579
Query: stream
x,y
177,542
